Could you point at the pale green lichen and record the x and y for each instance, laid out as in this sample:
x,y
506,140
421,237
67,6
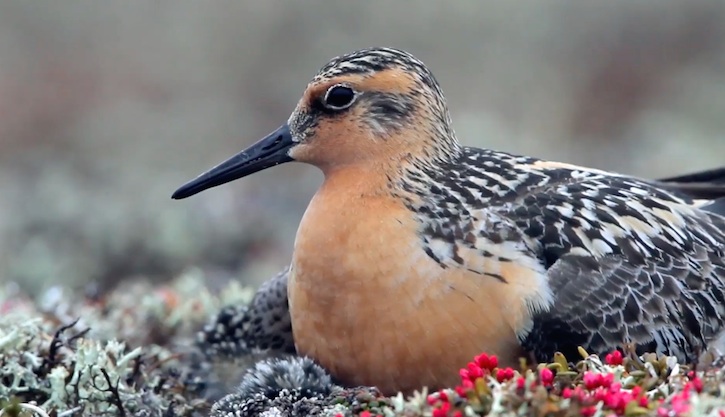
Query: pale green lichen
x,y
130,354
84,374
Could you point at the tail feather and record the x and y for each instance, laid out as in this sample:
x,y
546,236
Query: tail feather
x,y
712,176
702,185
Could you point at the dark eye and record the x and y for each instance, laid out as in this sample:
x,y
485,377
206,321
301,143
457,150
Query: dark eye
x,y
339,97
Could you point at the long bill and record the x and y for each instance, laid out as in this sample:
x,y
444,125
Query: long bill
x,y
270,151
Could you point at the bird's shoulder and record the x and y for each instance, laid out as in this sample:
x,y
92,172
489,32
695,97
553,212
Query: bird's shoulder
x,y
550,209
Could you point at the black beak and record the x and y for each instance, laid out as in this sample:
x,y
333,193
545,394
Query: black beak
x,y
268,152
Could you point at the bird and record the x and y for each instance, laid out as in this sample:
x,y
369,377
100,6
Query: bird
x,y
263,328
416,252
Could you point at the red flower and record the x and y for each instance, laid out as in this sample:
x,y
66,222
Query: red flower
x,y
614,358
520,383
464,374
486,362
615,401
681,403
442,411
546,376
606,380
696,383
504,374
593,380
443,396
474,371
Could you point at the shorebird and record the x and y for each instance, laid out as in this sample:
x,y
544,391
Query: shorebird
x,y
417,253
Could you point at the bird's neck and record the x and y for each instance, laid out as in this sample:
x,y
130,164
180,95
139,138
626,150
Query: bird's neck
x,y
358,180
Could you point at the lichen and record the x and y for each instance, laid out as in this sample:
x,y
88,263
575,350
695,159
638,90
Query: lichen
x,y
129,353
136,351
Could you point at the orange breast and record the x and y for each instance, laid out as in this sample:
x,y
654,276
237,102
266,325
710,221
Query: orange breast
x,y
372,308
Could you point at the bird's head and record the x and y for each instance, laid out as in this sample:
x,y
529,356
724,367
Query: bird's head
x,y
376,106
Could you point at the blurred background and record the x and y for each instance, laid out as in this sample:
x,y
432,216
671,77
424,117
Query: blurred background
x,y
106,107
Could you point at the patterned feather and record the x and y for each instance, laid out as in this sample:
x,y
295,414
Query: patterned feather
x,y
627,262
